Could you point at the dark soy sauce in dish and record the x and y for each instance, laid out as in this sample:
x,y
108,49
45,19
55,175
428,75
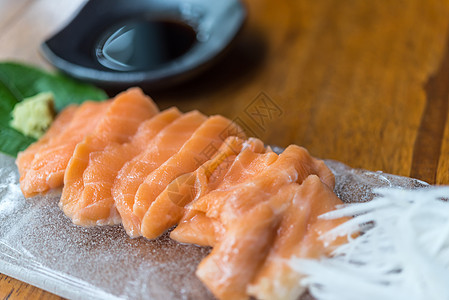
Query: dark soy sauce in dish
x,y
139,45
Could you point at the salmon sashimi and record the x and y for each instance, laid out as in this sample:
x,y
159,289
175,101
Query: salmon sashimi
x,y
251,257
166,143
297,235
252,160
25,158
96,204
120,122
49,164
269,192
198,229
201,147
124,161
184,189
236,258
293,165
248,163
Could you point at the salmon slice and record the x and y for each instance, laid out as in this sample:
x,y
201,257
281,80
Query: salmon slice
x,y
236,258
250,213
247,164
201,147
96,204
293,165
25,158
250,257
297,235
161,148
198,229
49,164
187,187
313,246
120,122
251,160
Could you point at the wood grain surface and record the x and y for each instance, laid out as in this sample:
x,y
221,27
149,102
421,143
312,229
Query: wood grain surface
x,y
362,82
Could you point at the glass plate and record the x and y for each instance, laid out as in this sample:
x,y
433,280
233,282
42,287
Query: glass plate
x,y
40,246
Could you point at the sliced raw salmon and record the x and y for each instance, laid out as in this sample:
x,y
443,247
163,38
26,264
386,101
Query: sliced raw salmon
x,y
322,200
184,189
251,160
25,158
250,213
166,143
151,171
201,147
250,257
49,164
236,258
198,229
297,235
293,165
96,204
120,122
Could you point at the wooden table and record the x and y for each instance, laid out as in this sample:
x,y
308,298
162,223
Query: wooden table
x,y
362,82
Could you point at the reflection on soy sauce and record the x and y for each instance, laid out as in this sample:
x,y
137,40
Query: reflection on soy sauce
x,y
144,44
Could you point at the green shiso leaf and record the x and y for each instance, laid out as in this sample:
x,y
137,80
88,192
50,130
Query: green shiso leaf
x,y
19,81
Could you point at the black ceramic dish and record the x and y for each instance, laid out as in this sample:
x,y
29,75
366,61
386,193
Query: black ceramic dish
x,y
195,31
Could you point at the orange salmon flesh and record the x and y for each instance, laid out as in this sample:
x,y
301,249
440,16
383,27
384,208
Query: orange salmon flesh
x,y
122,161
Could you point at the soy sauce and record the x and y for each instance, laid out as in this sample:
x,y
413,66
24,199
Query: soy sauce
x,y
144,44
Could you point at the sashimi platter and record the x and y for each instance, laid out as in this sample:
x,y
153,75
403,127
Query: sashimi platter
x,y
117,199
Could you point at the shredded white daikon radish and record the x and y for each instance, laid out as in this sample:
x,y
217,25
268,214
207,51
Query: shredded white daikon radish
x,y
403,252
